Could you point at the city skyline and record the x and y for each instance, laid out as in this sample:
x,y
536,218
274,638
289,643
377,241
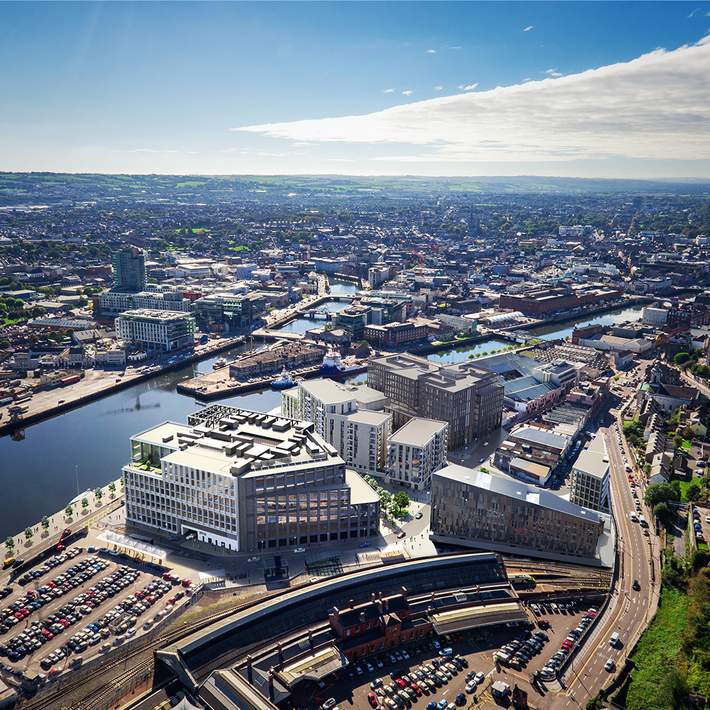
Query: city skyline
x,y
613,90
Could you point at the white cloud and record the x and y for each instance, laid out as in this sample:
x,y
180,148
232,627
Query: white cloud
x,y
438,87
553,73
407,92
431,51
528,28
654,107
467,87
388,91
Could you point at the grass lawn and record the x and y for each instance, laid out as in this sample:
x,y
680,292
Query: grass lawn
x,y
656,655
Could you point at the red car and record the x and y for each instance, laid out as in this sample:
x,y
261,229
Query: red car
x,y
186,582
400,682
372,699
415,687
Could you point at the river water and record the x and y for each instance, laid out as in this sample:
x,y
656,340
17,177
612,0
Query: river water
x,y
39,472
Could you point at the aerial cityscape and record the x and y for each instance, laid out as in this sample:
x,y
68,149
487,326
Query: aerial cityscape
x,y
386,385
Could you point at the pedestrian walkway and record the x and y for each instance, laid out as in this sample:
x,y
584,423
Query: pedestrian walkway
x,y
84,511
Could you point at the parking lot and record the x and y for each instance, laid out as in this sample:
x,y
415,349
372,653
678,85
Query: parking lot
x,y
78,603
464,678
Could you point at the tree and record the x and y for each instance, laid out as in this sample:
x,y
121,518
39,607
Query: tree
x,y
680,358
663,512
99,494
45,522
112,488
85,503
69,511
9,544
694,490
660,493
28,533
401,499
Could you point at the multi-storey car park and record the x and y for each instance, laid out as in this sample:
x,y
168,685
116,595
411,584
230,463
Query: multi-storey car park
x,y
247,482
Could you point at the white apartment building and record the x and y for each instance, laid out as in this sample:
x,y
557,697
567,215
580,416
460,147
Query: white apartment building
x,y
156,330
349,417
112,303
589,484
415,451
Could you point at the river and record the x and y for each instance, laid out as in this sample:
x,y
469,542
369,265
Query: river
x,y
38,473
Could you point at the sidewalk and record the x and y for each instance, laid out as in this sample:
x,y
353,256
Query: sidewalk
x,y
43,536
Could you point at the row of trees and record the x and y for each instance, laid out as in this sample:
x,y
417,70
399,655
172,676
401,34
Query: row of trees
x,y
392,505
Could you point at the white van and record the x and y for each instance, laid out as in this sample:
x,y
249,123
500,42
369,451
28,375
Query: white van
x,y
614,639
633,517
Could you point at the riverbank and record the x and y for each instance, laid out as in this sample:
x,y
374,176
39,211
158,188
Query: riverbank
x,y
218,384
100,383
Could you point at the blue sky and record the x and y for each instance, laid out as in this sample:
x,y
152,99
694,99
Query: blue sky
x,y
142,87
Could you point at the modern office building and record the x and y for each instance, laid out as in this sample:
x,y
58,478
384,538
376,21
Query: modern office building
x,y
153,330
489,511
415,451
351,418
246,481
128,269
467,397
589,485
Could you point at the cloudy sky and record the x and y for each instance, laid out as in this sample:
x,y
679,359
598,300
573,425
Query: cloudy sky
x,y
588,89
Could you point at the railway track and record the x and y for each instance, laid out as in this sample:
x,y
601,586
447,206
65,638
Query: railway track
x,y
77,694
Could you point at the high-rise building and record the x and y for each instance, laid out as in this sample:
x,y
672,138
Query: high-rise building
x,y
349,417
246,481
128,269
589,484
467,397
415,451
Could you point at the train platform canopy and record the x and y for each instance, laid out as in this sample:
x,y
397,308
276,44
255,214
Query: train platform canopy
x,y
314,667
473,617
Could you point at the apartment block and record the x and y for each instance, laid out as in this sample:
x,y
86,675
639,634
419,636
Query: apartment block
x,y
415,451
589,481
490,511
246,481
128,269
352,418
468,398
163,331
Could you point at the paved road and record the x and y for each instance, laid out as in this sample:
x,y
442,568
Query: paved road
x,y
628,611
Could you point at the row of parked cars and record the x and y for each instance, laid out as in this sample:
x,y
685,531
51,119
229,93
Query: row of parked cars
x,y
121,621
49,565
407,688
518,652
33,600
551,668
40,632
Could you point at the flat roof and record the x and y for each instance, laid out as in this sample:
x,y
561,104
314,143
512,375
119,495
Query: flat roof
x,y
417,431
593,460
232,441
540,436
